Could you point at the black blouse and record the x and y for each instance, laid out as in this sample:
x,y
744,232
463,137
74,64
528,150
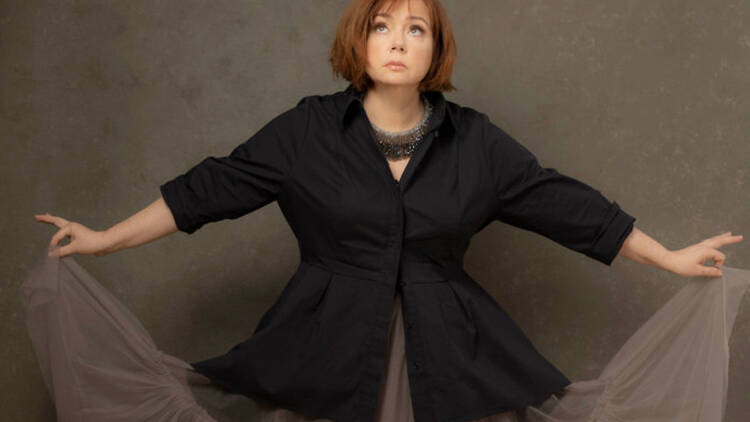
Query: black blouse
x,y
320,348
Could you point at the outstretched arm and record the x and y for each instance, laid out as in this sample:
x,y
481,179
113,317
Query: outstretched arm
x,y
216,188
547,202
578,216
148,224
250,177
639,247
151,223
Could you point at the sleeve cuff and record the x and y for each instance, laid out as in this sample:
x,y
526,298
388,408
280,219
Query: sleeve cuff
x,y
172,199
618,226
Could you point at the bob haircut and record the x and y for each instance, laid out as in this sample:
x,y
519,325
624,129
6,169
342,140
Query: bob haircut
x,y
348,54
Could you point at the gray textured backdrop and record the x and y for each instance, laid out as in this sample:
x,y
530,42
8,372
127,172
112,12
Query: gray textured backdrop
x,y
102,101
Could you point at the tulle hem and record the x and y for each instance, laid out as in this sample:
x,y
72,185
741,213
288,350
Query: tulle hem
x,y
99,363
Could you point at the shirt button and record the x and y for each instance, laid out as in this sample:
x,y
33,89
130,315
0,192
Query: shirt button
x,y
416,365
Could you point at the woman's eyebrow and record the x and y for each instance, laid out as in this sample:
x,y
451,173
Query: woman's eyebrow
x,y
388,15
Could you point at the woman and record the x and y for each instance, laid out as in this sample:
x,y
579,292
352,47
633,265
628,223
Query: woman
x,y
384,184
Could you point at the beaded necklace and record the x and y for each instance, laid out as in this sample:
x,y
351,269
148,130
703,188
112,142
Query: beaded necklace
x,y
402,144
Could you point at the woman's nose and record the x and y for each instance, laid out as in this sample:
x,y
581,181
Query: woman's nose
x,y
398,42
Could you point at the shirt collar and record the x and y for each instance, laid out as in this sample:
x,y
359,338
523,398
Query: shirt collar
x,y
350,97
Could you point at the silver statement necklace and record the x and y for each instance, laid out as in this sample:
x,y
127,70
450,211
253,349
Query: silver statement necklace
x,y
402,144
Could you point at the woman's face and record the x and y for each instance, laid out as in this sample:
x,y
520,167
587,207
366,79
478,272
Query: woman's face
x,y
403,37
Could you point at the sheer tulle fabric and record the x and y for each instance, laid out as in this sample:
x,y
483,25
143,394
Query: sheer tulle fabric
x,y
99,363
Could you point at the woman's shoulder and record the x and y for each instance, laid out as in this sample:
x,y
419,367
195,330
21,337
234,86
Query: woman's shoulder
x,y
325,104
469,122
464,116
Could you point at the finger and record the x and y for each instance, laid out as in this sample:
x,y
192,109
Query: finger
x,y
62,233
47,218
731,239
724,239
713,241
64,250
59,221
53,251
715,255
720,260
710,271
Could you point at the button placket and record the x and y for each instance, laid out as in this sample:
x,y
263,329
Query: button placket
x,y
417,366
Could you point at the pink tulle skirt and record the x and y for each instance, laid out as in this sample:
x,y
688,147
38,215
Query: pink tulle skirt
x,y
100,364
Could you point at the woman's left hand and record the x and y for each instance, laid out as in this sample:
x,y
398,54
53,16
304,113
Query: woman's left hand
x,y
689,261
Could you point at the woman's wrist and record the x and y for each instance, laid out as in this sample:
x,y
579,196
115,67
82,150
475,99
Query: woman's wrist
x,y
111,241
664,259
642,248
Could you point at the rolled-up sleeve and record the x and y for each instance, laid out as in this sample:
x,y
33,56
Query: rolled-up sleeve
x,y
249,178
546,202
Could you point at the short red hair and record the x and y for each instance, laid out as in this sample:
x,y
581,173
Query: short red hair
x,y
348,54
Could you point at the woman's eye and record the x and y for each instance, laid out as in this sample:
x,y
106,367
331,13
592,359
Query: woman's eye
x,y
381,25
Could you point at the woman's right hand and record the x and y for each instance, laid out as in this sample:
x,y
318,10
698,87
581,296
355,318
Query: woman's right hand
x,y
82,239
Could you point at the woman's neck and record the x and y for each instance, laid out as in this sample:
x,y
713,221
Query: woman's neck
x,y
393,108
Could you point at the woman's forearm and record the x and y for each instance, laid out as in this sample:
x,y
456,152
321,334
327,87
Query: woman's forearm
x,y
687,261
640,247
146,225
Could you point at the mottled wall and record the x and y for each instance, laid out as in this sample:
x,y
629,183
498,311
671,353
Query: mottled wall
x,y
102,101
